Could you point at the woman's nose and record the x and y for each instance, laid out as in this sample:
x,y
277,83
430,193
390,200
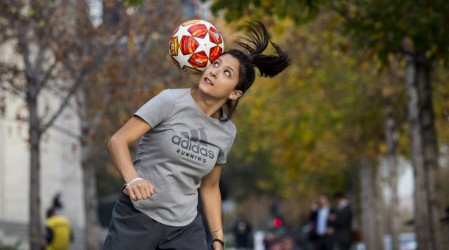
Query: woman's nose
x,y
213,73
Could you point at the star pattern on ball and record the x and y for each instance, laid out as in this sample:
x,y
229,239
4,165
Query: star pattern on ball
x,y
205,45
191,47
182,59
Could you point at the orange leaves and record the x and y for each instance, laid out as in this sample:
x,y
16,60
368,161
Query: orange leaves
x,y
312,120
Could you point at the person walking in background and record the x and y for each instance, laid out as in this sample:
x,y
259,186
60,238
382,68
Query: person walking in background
x,y
57,206
288,242
322,230
342,223
58,231
185,137
242,233
310,228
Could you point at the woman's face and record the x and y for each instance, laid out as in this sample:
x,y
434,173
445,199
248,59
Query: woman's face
x,y
221,77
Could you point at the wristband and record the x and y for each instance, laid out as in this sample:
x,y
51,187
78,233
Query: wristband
x,y
132,181
219,241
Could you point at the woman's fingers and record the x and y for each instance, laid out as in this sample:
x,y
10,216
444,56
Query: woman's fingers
x,y
140,190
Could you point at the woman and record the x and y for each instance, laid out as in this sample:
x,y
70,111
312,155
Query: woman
x,y
185,137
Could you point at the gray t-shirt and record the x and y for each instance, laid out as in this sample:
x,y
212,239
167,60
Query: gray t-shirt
x,y
182,147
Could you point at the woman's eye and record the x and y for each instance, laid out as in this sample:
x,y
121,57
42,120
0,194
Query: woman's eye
x,y
227,73
216,63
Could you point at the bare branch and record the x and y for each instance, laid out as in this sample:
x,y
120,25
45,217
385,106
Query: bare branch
x,y
23,45
65,131
48,73
9,76
99,115
79,78
11,89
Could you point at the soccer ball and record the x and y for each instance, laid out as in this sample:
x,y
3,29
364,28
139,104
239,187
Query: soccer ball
x,y
194,45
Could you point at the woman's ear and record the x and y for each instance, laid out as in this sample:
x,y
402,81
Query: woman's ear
x,y
235,94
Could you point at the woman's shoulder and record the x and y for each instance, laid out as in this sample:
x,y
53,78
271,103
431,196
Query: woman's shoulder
x,y
230,128
176,92
172,94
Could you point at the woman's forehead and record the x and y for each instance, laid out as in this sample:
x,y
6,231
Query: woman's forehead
x,y
230,61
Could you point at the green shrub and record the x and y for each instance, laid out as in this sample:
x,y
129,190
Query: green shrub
x,y
10,247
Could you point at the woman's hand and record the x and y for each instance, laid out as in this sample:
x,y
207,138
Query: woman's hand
x,y
140,189
136,187
217,245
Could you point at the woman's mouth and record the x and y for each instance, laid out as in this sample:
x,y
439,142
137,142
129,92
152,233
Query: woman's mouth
x,y
206,79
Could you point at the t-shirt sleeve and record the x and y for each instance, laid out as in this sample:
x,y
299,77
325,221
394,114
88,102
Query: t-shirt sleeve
x,y
223,155
157,109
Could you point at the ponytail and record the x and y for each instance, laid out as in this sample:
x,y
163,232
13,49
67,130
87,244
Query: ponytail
x,y
251,56
256,43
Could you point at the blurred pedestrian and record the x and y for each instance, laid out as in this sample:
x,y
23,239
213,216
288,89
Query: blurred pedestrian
x,y
58,231
57,205
242,233
322,230
310,228
269,240
275,245
342,223
288,242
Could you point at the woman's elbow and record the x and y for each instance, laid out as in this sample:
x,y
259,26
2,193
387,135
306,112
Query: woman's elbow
x,y
113,141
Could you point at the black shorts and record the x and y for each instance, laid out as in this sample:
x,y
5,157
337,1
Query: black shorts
x,y
130,229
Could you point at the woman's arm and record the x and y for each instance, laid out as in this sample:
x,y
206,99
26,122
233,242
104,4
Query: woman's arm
x,y
118,146
211,202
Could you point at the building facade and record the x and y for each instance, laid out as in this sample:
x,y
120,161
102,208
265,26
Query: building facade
x,y
60,163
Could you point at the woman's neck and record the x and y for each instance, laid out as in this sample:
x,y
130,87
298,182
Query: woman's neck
x,y
208,105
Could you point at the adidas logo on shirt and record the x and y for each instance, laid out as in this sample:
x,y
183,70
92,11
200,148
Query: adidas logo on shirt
x,y
192,144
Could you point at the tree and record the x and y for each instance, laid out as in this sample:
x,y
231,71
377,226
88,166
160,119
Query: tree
x,y
300,133
50,38
417,31
403,28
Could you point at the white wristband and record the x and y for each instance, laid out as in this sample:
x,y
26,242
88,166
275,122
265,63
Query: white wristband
x,y
132,181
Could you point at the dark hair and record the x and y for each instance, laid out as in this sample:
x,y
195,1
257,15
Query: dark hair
x,y
50,212
268,65
339,195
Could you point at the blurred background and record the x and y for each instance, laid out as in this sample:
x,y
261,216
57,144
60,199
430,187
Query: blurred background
x,y
363,110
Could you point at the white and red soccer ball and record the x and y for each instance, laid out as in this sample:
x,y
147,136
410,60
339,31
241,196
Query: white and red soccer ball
x,y
194,45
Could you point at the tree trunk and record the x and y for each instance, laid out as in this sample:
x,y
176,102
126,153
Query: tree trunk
x,y
424,154
89,182
90,205
35,236
390,134
369,200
